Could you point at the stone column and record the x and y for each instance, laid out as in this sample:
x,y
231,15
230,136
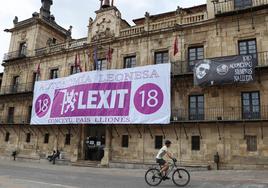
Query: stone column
x,y
108,147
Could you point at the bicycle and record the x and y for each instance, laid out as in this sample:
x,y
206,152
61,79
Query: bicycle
x,y
180,176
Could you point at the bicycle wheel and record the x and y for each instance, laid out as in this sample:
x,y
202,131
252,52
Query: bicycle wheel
x,y
152,177
181,177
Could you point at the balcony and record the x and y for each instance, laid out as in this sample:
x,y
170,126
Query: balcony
x,y
5,120
75,44
15,55
220,114
223,7
15,89
183,67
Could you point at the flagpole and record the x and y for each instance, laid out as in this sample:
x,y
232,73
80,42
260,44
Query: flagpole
x,y
181,54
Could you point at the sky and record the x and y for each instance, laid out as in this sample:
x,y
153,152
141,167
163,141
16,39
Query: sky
x,y
77,13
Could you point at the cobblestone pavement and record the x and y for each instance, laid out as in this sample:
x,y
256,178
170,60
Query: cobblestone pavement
x,y
35,175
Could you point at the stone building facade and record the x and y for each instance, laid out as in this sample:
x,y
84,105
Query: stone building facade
x,y
230,120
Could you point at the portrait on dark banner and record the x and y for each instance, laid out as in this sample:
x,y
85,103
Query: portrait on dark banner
x,y
225,70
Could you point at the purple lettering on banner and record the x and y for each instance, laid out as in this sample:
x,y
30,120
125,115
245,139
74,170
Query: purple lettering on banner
x,y
42,105
97,99
148,98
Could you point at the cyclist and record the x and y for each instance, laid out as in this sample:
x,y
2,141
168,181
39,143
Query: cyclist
x,y
159,159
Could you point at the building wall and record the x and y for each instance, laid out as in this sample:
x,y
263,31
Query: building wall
x,y
219,36
231,145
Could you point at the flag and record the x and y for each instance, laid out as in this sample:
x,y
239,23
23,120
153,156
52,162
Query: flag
x,y
176,47
95,57
77,63
109,55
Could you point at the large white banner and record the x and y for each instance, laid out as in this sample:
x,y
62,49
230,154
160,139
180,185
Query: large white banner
x,y
129,96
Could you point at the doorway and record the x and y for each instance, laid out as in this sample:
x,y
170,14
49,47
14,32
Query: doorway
x,y
94,143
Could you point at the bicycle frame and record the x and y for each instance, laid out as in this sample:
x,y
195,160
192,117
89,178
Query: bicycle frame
x,y
172,167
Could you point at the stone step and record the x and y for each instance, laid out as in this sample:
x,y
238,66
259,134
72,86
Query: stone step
x,y
93,164
62,162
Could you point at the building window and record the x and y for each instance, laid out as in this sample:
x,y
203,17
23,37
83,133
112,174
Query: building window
x,y
251,105
247,47
67,139
194,54
23,49
195,143
7,136
196,107
75,70
28,137
54,73
101,65
29,114
161,57
158,142
54,41
10,116
15,84
240,4
46,138
36,77
251,143
125,140
130,62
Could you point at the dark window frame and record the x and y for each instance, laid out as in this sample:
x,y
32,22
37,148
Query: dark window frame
x,y
54,40
128,61
36,77
74,70
54,73
158,142
125,141
247,41
28,137
10,116
99,66
22,49
252,143
197,115
197,56
251,114
196,143
29,113
7,137
68,139
162,58
15,83
46,138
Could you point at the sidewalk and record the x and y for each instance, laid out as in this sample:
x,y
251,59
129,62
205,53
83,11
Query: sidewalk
x,y
36,175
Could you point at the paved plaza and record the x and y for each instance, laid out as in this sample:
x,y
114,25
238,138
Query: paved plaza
x,y
35,175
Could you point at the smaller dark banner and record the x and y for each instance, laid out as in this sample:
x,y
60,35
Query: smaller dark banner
x,y
225,70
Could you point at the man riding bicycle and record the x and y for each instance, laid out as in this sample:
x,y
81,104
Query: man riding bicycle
x,y
159,159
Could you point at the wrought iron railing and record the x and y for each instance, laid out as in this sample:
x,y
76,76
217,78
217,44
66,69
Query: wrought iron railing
x,y
220,114
61,47
226,6
17,88
15,55
14,120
